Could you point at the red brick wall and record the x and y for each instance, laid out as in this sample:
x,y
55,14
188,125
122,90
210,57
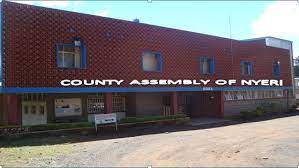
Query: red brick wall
x,y
30,35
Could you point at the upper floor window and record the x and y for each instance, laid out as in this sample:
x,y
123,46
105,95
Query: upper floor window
x,y
152,61
276,68
207,65
246,68
71,55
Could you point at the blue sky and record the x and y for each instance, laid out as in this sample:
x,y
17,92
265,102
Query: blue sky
x,y
249,19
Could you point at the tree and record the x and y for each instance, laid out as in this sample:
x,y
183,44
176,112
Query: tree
x,y
296,66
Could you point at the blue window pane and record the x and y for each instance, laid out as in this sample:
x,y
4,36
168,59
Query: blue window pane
x,y
71,55
152,62
206,66
246,68
212,66
276,69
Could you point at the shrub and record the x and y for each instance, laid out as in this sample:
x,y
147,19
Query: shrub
x,y
268,107
150,118
247,114
55,126
258,112
293,108
250,114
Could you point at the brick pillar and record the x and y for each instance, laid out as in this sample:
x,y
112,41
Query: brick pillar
x,y
108,102
174,103
221,115
10,109
3,114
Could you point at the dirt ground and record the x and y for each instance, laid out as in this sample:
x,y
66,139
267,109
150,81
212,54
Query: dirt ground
x,y
268,143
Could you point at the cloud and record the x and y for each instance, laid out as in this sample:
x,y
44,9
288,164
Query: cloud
x,y
102,13
49,3
77,3
279,19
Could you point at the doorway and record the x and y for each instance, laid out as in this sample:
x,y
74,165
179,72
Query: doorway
x,y
34,113
185,105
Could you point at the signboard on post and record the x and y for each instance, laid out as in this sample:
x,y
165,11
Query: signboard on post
x,y
105,119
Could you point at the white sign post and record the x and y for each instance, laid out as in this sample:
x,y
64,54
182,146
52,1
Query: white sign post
x,y
105,119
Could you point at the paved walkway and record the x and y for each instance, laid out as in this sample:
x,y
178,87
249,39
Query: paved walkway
x,y
207,121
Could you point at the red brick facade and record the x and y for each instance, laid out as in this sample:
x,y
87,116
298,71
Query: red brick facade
x,y
114,49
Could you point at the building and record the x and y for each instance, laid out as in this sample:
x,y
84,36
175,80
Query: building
x,y
40,47
296,88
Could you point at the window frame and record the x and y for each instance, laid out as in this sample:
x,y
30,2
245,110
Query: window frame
x,y
159,61
250,68
82,53
275,72
211,62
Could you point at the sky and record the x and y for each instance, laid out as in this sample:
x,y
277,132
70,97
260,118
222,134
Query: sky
x,y
248,19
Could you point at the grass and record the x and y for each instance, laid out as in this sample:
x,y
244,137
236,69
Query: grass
x,y
56,126
150,118
9,126
37,151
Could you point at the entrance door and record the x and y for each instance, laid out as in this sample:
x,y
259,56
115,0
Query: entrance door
x,y
34,113
185,104
166,109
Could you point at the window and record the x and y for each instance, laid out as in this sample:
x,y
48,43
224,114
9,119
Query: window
x,y
118,103
95,104
276,68
239,95
206,66
246,68
26,109
41,110
71,55
247,95
267,94
279,93
152,61
260,94
33,109
228,96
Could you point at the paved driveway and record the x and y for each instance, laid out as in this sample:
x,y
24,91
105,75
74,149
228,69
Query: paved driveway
x,y
266,143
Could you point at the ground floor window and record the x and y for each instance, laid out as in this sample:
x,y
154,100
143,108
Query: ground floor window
x,y
118,102
246,95
68,107
95,104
